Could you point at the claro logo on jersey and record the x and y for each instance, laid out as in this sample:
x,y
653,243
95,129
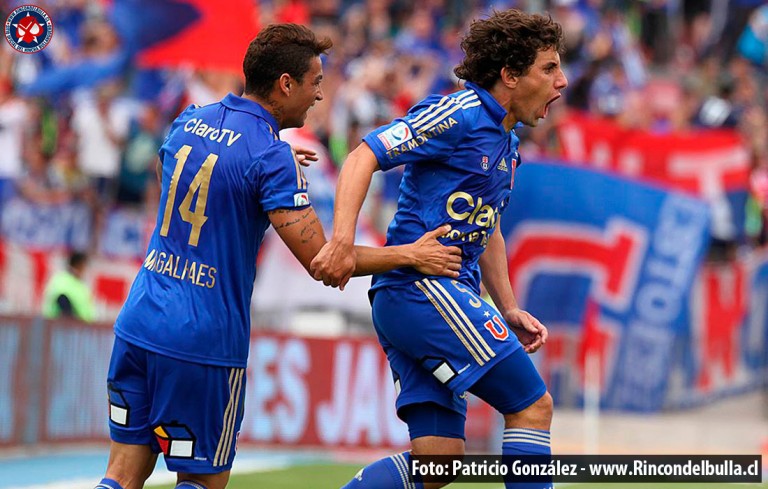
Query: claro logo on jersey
x,y
395,135
464,207
164,263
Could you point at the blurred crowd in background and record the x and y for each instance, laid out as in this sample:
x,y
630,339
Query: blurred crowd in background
x,y
81,121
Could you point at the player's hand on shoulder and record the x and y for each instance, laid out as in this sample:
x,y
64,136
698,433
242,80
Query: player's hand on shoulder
x,y
431,257
304,155
529,330
334,264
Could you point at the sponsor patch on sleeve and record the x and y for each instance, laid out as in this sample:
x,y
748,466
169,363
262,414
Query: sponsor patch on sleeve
x,y
301,199
395,135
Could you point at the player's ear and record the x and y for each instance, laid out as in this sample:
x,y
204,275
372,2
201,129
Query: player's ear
x,y
285,83
508,78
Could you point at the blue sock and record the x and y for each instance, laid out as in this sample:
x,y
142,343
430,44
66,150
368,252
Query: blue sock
x,y
190,485
387,473
108,484
526,441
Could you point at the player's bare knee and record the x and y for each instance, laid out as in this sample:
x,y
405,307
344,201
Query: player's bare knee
x,y
130,465
437,445
538,415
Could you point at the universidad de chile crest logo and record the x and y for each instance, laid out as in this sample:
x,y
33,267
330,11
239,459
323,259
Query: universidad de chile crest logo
x,y
28,29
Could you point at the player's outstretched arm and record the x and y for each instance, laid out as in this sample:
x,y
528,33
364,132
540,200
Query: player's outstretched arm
x,y
303,234
495,274
427,255
336,262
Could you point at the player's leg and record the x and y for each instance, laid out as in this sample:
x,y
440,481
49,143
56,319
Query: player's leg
x,y
515,389
123,461
131,458
196,418
434,413
202,481
434,428
459,338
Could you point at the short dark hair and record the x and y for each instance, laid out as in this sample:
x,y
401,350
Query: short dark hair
x,y
507,39
278,49
77,259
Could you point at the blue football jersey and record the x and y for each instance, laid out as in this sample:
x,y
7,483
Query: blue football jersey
x,y
224,167
460,167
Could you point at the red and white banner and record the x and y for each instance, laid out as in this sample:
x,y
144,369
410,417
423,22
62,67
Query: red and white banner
x,y
24,273
702,162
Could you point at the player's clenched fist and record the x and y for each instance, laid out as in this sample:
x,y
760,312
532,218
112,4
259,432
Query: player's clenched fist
x,y
529,330
334,263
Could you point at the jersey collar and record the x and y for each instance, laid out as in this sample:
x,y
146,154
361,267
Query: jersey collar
x,y
498,113
234,102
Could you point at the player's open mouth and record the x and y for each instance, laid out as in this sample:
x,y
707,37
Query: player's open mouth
x,y
546,107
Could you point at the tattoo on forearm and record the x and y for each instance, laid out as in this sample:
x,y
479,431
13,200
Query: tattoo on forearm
x,y
312,233
288,223
309,231
293,221
309,227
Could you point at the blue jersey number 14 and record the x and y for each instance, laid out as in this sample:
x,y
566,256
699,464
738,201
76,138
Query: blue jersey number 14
x,y
199,185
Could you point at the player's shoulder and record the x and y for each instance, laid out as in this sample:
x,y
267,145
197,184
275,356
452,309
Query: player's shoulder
x,y
463,106
274,153
184,116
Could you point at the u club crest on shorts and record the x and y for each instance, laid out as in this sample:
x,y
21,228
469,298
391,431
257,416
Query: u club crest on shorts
x,y
28,29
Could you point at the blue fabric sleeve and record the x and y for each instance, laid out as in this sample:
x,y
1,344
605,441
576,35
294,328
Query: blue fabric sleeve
x,y
278,179
429,132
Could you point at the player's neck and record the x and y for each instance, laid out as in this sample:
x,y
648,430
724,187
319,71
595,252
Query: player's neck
x,y
269,105
504,98
509,122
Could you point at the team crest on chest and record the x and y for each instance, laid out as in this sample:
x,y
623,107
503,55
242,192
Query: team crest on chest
x,y
484,163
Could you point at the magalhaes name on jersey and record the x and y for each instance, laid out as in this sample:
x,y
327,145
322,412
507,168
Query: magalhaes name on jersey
x,y
173,266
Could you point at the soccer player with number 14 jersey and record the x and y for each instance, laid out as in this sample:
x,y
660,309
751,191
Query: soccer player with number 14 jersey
x,y
176,378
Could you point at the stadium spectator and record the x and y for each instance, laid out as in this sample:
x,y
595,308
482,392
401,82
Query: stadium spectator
x,y
137,168
66,176
14,128
440,338
226,176
67,295
100,123
38,184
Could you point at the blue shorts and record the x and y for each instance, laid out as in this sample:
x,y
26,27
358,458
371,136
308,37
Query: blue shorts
x,y
441,338
188,411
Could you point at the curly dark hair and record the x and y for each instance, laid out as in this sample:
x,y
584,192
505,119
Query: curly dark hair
x,y
509,38
278,49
